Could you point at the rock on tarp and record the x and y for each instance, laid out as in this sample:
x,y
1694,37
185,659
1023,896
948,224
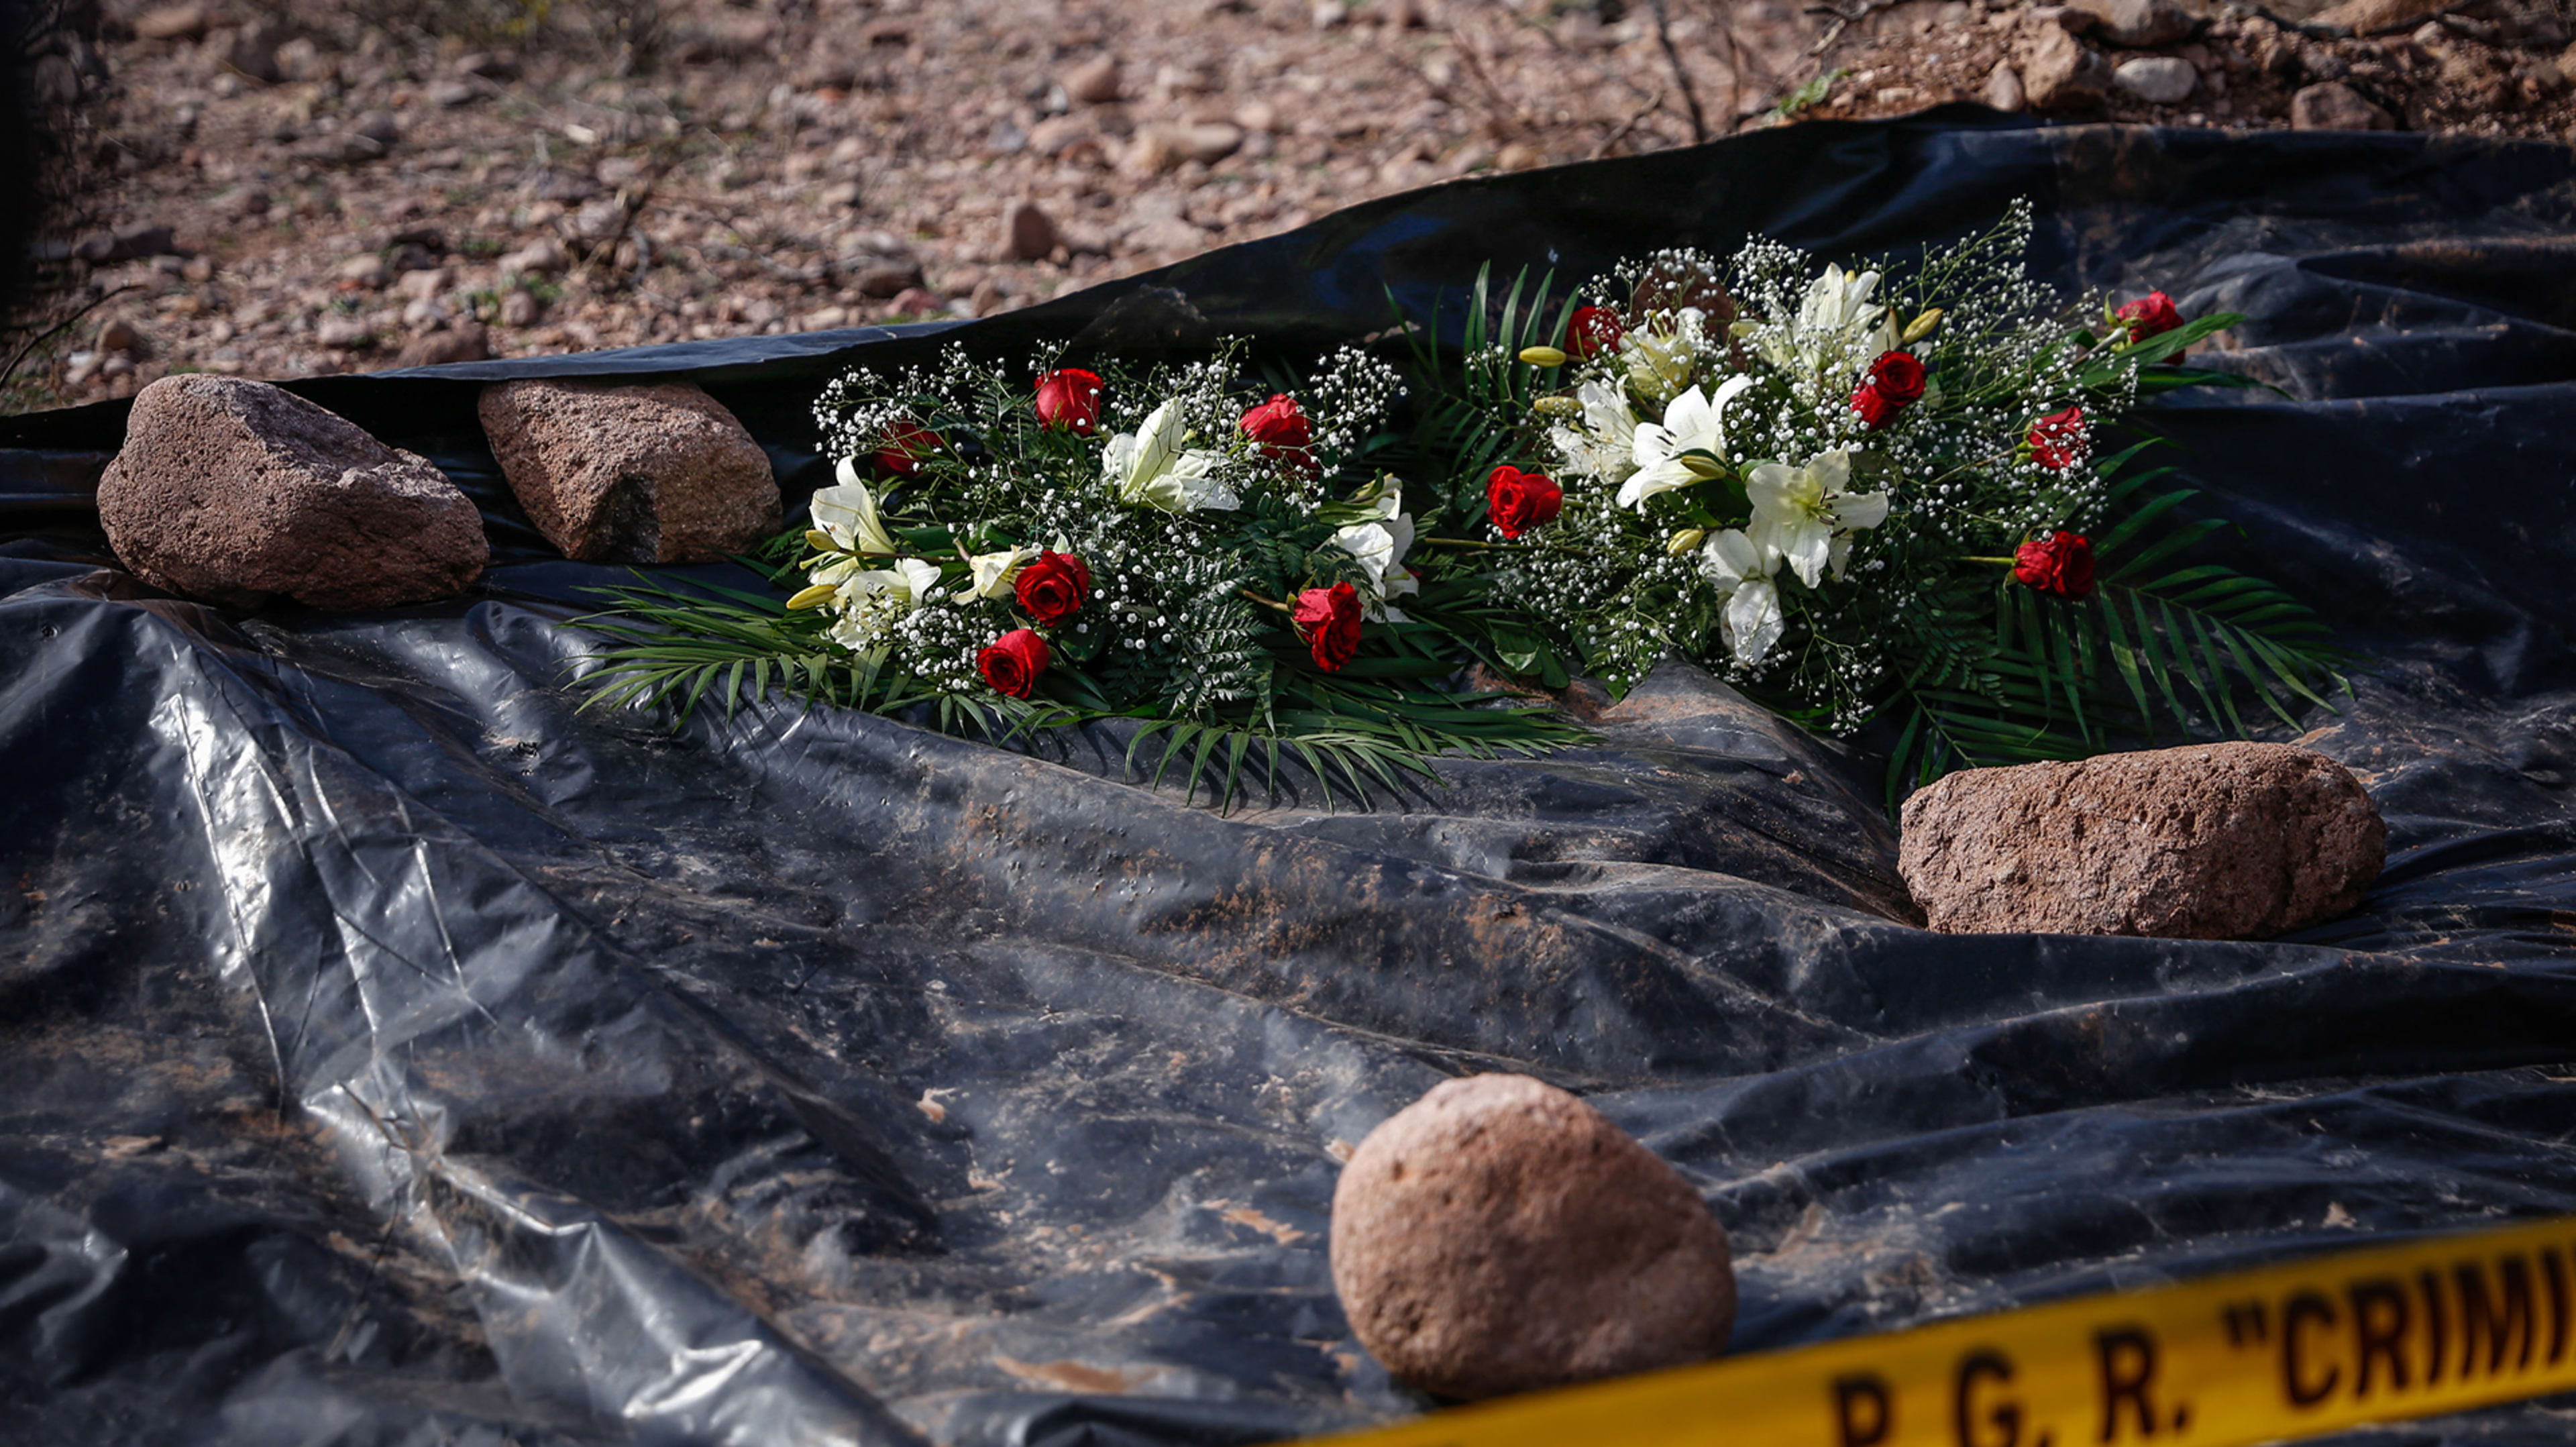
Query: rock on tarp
x,y
395,1055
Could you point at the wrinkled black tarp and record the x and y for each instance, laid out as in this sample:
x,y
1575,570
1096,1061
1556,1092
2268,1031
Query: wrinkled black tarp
x,y
392,1055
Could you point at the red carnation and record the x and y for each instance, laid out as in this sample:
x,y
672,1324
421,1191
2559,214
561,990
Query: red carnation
x,y
1518,501
2058,564
2151,315
904,445
2058,439
1054,586
1069,397
1592,330
1895,383
1281,431
1012,662
1329,620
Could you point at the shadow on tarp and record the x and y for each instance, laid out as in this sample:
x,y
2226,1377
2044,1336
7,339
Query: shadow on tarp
x,y
394,1054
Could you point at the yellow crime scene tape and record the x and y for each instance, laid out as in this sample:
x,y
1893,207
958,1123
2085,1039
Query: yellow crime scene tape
x,y
2317,1345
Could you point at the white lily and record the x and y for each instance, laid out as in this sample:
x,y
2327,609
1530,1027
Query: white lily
x,y
1807,514
1380,545
1661,360
1838,301
847,514
908,582
1604,445
1692,423
994,572
1742,570
1151,466
870,600
1835,311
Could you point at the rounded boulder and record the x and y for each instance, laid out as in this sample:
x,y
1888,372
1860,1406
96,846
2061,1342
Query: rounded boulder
x,y
1500,1235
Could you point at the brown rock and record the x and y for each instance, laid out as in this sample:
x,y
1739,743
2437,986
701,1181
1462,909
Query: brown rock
x,y
171,22
915,301
1028,234
120,335
2368,17
1094,82
882,279
654,474
463,343
2003,88
1063,136
2141,22
1207,142
237,491
2058,72
2213,841
1499,1235
2334,106
1151,152
345,333
542,257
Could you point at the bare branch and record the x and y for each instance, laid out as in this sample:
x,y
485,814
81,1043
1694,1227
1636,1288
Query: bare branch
x,y
1681,73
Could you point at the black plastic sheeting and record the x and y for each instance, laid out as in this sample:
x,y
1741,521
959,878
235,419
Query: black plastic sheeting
x,y
391,1054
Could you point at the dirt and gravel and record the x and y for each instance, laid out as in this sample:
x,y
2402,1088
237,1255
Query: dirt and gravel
x,y
276,188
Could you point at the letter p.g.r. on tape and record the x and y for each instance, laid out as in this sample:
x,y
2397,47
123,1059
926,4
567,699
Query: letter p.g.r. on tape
x,y
2382,1333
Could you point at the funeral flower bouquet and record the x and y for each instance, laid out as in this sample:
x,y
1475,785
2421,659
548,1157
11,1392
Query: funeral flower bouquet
x,y
1009,548
1876,497
1873,494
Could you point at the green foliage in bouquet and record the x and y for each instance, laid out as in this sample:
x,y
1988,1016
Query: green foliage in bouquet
x,y
1871,499
1009,551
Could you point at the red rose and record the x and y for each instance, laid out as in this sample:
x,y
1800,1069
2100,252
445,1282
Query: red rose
x,y
1012,662
2058,439
1329,620
2151,315
1069,397
1281,431
1895,383
1518,501
2058,564
1054,586
905,443
1592,330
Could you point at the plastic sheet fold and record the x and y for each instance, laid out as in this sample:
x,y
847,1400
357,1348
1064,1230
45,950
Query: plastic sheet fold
x,y
396,1053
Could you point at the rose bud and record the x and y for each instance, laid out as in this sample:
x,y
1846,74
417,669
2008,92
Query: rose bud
x,y
1591,331
1012,662
2058,564
1329,620
1281,431
905,444
1895,383
2058,439
2151,315
1054,586
1069,398
1518,501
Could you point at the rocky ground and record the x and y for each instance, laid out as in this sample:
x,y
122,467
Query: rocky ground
x,y
276,188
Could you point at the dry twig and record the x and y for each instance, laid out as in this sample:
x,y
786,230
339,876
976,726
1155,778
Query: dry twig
x,y
1681,73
